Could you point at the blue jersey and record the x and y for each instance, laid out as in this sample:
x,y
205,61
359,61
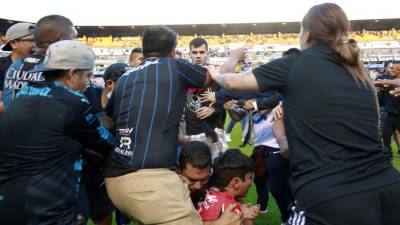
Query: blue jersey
x,y
18,75
147,105
47,127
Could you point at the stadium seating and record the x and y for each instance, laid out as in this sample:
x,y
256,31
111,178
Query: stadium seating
x,y
244,40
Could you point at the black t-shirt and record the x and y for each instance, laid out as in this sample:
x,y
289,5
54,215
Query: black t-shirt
x,y
195,125
5,63
146,106
42,133
382,93
332,126
392,104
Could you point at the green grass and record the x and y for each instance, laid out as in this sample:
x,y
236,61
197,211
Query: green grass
x,y
273,215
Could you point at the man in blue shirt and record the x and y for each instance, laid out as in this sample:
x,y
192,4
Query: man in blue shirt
x,y
47,126
48,30
147,105
19,40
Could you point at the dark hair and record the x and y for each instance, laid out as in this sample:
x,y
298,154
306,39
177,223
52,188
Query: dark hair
x,y
197,42
53,75
50,29
137,50
158,41
291,51
328,25
386,64
195,153
229,165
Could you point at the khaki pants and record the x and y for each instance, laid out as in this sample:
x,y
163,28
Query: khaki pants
x,y
153,196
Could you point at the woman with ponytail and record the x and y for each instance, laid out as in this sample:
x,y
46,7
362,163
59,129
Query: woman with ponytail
x,y
340,173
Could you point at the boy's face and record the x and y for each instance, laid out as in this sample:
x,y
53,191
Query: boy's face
x,y
199,55
244,185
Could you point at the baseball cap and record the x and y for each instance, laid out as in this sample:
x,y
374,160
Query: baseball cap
x,y
115,71
67,54
17,31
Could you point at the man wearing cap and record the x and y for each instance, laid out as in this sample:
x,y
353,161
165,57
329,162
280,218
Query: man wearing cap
x,y
111,75
19,40
100,207
48,30
37,177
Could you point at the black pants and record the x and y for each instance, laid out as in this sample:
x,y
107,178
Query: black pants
x,y
275,180
375,207
391,123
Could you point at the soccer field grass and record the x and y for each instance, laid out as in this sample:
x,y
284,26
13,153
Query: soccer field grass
x,y
273,215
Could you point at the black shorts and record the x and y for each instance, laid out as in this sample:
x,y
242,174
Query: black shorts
x,y
374,207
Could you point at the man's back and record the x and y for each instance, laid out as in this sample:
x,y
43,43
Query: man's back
x,y
46,127
146,107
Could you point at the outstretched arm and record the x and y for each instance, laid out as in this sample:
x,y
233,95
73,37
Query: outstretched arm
x,y
245,81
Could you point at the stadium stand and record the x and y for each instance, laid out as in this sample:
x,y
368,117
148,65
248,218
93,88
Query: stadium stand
x,y
379,40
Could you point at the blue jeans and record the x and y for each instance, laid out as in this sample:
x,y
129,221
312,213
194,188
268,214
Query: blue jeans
x,y
230,126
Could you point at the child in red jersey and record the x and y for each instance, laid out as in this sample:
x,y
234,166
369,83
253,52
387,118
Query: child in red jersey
x,y
231,179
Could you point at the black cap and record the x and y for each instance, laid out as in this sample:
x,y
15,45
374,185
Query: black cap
x,y
115,71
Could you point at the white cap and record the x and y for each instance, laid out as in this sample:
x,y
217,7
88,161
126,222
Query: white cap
x,y
68,54
17,31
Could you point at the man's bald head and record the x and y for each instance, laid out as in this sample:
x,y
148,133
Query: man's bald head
x,y
53,28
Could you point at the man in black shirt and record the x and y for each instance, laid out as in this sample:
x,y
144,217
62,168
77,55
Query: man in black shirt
x,y
391,122
204,121
37,177
146,106
19,40
381,92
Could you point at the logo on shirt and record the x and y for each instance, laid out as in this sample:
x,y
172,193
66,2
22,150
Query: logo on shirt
x,y
125,142
17,79
31,60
